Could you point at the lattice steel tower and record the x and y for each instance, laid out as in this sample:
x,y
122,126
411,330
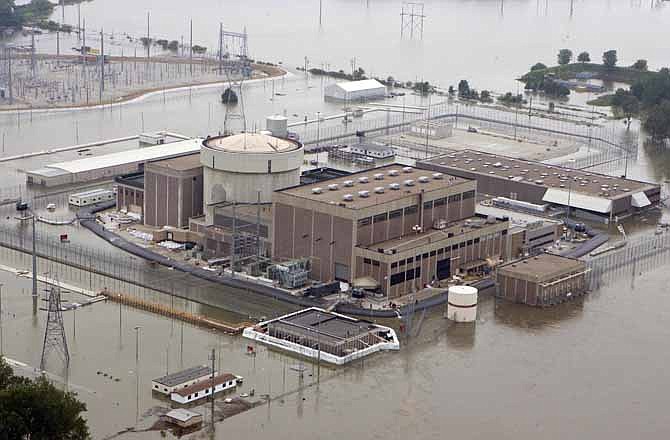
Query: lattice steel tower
x,y
411,20
54,333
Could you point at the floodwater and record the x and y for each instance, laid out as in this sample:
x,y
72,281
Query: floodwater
x,y
593,368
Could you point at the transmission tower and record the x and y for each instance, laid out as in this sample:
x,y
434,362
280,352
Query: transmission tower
x,y
54,333
411,20
234,110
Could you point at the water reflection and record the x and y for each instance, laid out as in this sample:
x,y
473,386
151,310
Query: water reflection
x,y
525,317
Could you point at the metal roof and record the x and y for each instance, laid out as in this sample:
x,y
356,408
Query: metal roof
x,y
180,377
205,384
145,154
93,192
182,415
640,200
577,200
357,86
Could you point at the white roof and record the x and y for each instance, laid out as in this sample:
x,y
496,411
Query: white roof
x,y
156,152
181,414
640,200
365,84
577,200
93,192
251,143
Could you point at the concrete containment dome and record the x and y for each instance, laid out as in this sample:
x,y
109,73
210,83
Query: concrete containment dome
x,y
238,168
462,305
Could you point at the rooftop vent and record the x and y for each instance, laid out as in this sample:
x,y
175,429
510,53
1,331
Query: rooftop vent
x,y
333,187
348,183
539,181
363,194
379,190
348,197
379,176
407,170
363,179
394,186
409,182
317,190
393,172
423,179
438,176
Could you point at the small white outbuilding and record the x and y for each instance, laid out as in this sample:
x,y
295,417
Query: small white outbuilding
x,y
362,90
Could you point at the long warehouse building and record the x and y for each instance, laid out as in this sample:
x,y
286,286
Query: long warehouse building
x,y
107,166
591,195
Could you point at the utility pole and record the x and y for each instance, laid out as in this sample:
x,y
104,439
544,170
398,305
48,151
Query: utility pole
x,y
190,50
211,395
78,21
9,75
34,266
57,43
148,38
32,54
137,372
320,11
220,48
102,63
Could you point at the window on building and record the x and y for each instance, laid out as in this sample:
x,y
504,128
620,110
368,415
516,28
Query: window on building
x,y
411,210
476,240
375,263
395,214
364,221
461,245
366,261
440,251
504,232
455,198
425,255
380,217
394,265
401,263
469,242
428,205
397,278
441,202
454,247
468,194
410,260
433,253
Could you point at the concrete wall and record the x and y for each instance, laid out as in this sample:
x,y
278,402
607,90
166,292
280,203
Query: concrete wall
x,y
171,197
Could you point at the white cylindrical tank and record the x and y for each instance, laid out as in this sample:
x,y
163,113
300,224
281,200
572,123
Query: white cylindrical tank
x,y
277,125
462,304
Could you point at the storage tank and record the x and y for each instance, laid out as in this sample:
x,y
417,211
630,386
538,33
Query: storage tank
x,y
237,167
462,304
277,125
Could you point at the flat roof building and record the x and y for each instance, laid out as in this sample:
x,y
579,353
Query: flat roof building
x,y
328,336
204,388
173,191
400,226
542,280
183,418
594,195
182,379
107,166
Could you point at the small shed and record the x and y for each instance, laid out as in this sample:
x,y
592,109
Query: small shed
x,y
184,418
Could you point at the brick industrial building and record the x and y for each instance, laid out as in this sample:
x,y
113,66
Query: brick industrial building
x,y
401,227
591,195
542,280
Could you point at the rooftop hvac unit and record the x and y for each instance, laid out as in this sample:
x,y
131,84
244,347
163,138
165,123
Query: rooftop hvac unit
x,y
438,176
379,176
423,179
363,179
363,194
333,187
497,164
379,190
409,182
407,170
348,197
394,186
348,183
393,172
317,190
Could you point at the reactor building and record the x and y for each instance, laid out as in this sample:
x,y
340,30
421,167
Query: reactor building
x,y
247,168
